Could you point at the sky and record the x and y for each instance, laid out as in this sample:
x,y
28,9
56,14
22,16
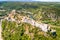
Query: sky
x,y
34,0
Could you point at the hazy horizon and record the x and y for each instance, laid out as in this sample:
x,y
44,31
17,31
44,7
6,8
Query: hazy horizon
x,y
34,0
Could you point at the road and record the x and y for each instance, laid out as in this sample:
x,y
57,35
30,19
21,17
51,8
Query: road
x,y
0,31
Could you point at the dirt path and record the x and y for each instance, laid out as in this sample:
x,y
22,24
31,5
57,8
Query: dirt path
x,y
0,31
53,26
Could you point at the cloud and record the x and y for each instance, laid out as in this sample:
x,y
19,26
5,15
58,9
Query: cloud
x,y
48,0
16,0
34,0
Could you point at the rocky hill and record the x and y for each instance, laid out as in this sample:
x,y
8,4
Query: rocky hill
x,y
30,20
18,27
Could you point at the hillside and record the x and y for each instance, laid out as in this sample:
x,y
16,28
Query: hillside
x,y
30,20
43,11
14,27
